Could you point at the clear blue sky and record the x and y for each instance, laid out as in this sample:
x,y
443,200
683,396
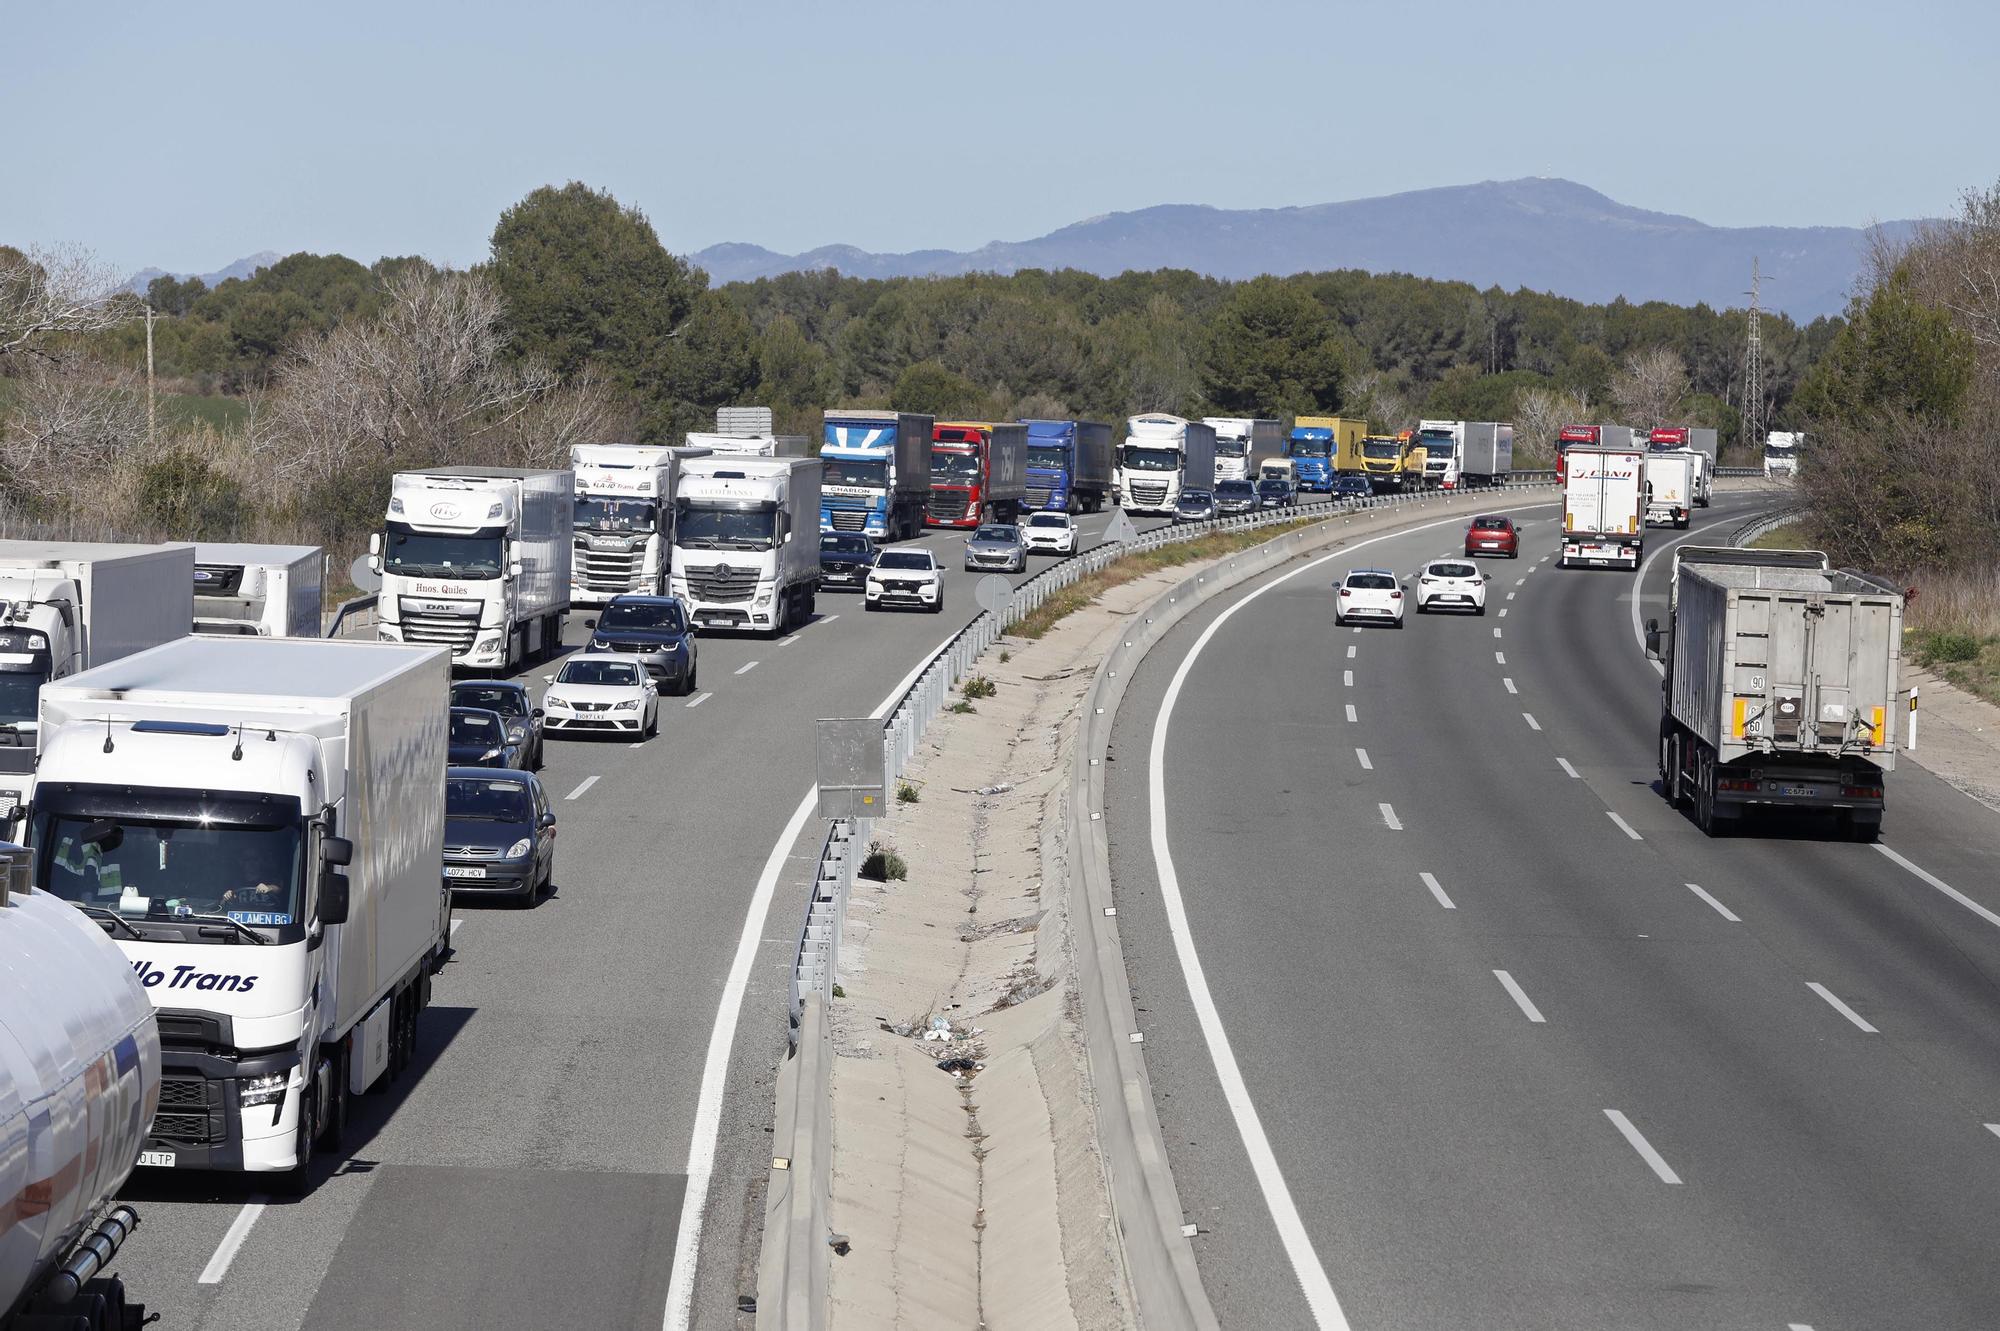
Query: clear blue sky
x,y
188,135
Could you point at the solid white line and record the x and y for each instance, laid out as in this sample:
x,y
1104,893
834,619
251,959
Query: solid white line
x,y
746,667
1389,816
1529,717
1574,774
699,699
1519,996
1362,754
454,927
1639,582
1642,1146
1432,883
1351,650
1839,1006
1350,713
782,642
588,782
1721,909
1499,658
1623,826
232,1239
1509,683
1347,678
1942,886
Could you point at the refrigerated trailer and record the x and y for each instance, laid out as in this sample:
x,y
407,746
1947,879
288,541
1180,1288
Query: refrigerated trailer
x,y
1782,675
1604,508
270,591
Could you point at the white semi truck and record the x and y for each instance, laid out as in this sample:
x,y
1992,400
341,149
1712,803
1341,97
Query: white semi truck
x,y
1242,444
259,824
1781,454
624,518
1673,480
746,542
750,445
477,560
268,591
66,606
79,1083
1161,456
1604,508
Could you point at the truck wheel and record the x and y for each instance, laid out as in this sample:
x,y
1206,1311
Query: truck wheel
x,y
335,1126
296,1181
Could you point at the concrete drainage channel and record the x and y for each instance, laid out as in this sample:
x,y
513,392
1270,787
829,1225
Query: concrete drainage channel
x,y
799,1240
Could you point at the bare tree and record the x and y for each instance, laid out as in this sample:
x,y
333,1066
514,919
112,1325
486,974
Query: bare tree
x,y
1650,386
71,422
46,293
1539,415
1374,396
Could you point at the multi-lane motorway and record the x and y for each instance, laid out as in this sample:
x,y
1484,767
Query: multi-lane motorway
x,y
1455,1023
531,1170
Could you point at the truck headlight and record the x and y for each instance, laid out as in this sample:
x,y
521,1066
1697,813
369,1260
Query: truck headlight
x,y
763,598
518,849
487,645
385,633
268,1089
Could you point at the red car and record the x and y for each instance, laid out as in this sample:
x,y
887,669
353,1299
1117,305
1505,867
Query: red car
x,y
1492,535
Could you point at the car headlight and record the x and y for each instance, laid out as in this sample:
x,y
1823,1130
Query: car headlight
x,y
518,849
383,633
265,1090
630,704
874,585
489,755
553,701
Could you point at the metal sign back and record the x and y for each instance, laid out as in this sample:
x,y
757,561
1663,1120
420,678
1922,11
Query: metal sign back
x,y
849,766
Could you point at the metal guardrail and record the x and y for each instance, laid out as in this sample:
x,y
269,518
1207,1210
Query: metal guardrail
x,y
1769,522
813,963
360,605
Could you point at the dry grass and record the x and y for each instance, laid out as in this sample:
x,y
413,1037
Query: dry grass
x,y
1953,628
1791,536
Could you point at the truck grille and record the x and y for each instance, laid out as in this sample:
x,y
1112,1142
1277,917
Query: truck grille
x,y
949,506
738,584
1149,494
454,631
1038,495
849,519
190,1111
611,571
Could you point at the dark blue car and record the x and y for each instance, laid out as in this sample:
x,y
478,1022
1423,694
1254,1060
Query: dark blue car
x,y
478,738
499,834
1350,486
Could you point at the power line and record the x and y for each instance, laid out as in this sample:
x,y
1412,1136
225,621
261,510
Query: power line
x,y
1753,365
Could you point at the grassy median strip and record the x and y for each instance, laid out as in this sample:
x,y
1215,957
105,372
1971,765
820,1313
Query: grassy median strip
x,y
1090,586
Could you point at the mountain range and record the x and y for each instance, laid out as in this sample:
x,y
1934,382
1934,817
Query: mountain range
x,y
246,267
1542,233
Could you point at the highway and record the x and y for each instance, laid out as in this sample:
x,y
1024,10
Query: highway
x,y
531,1170
1481,1033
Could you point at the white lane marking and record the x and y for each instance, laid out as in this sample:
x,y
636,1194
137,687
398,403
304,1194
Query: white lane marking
x,y
746,667
1720,909
1357,628
454,927
1512,595
1503,615
1350,713
1520,582
679,1310
576,794
1529,717
1347,678
1574,774
1508,681
1362,754
1639,582
824,619
1395,824
1798,1326
1351,650
1496,632
1638,1142
699,699
1942,886
1520,997
1499,658
1431,882
1623,826
232,1240
782,642
1993,1128
1840,1007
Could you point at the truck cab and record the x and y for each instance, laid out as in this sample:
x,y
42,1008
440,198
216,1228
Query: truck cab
x,y
623,520
1440,442
1384,460
746,542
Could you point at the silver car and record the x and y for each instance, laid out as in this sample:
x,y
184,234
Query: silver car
x,y
999,546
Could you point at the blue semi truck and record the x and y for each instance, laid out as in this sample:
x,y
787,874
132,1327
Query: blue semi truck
x,y
1069,465
875,473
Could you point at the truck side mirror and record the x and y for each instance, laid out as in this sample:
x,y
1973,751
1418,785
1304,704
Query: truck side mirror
x,y
1652,640
513,570
336,850
375,543
374,563
332,898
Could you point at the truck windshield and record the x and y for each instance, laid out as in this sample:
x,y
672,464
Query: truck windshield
x,y
162,868
1311,448
705,524
1151,459
418,554
1049,457
1388,448
1437,445
954,466
1231,448
868,473
630,515
19,692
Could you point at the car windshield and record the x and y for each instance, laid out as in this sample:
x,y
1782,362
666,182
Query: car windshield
x,y
846,545
20,692
916,559
1272,485
659,616
598,672
173,868
1493,524
1452,571
469,727
486,801
996,533
493,697
1047,520
418,554
1196,498
1381,448
628,515
1374,582
1311,448
1234,490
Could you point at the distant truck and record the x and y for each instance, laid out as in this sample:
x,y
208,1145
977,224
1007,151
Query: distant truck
x,y
1161,456
1069,466
1781,453
1385,461
477,560
875,473
1594,436
979,473
1466,455
66,606
1324,446
1604,508
624,517
1782,676
267,591
1672,480
215,791
1242,443
79,1084
748,445
746,542
1667,438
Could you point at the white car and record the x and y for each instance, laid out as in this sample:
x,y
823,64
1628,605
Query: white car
x,y
598,693
905,577
1451,584
1054,533
1369,594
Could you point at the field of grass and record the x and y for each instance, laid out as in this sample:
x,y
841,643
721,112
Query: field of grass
x,y
1789,537
179,410
1952,626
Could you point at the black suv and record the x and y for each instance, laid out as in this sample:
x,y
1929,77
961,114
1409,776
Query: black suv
x,y
844,558
655,629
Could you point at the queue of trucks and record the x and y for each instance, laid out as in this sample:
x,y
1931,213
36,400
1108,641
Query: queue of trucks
x,y
1162,455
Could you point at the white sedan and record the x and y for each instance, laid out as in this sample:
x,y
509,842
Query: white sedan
x,y
602,694
1451,584
1369,593
1051,533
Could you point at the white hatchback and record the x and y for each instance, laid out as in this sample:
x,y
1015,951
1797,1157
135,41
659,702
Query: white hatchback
x,y
1369,594
1053,533
1451,584
602,694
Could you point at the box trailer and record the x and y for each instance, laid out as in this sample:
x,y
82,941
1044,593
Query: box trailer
x,y
269,591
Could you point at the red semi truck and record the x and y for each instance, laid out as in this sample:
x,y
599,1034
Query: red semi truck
x,y
979,473
1590,436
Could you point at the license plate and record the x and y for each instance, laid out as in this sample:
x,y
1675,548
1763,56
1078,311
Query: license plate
x,y
157,1159
1803,792
1489,545
463,871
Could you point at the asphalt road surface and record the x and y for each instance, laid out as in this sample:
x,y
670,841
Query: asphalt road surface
x,y
1487,1035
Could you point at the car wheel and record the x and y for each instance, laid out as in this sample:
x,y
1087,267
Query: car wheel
x,y
1479,609
1399,621
937,606
1339,620
871,606
653,723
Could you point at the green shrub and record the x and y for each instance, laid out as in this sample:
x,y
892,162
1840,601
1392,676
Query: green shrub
x,y
1943,646
884,865
907,793
978,687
